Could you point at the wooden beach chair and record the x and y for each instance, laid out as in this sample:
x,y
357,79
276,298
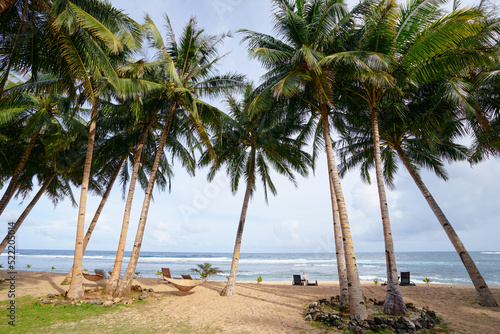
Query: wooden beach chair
x,y
166,274
405,279
186,276
311,283
297,280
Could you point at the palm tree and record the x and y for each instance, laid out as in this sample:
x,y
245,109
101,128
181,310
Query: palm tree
x,y
419,46
53,159
147,119
36,113
88,40
249,146
300,62
424,139
206,270
184,71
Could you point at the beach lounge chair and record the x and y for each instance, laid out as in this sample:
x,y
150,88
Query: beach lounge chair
x,y
297,280
311,283
405,279
166,274
186,276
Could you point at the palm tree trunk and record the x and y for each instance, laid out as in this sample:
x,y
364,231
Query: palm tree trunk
x,y
483,292
115,275
76,287
97,214
26,211
11,188
229,290
125,284
394,303
357,307
339,252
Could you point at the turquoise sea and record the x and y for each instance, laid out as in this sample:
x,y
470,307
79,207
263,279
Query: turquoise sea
x,y
440,267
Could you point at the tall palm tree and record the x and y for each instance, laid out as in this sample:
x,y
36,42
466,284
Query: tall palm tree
x,y
299,60
249,146
90,35
423,139
419,45
147,120
185,70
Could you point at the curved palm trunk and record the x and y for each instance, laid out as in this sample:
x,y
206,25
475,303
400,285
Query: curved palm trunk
x,y
483,292
229,289
115,275
394,303
125,284
26,211
339,252
92,225
76,287
11,188
357,307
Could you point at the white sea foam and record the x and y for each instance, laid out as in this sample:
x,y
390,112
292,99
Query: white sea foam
x,y
491,253
185,259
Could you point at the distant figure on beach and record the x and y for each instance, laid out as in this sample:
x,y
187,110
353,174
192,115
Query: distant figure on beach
x,y
304,278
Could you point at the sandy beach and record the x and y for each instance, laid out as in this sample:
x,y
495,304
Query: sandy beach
x,y
267,307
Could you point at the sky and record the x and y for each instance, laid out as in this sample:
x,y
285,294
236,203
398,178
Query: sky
x,y
198,216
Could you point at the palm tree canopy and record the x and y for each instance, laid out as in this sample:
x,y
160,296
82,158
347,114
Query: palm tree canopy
x,y
271,133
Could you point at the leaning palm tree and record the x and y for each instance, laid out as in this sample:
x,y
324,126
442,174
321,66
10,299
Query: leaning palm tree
x,y
249,146
184,71
36,112
300,61
423,139
419,45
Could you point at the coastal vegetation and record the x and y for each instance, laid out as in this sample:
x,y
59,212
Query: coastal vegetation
x,y
392,82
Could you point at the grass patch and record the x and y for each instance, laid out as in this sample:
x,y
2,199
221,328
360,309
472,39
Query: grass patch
x,y
34,318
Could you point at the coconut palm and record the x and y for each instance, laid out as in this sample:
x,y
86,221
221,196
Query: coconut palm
x,y
249,146
54,157
300,61
37,113
184,70
424,139
147,118
90,36
419,45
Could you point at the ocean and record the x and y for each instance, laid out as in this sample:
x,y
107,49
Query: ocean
x,y
440,267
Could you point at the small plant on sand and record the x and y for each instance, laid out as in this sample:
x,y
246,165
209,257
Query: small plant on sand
x,y
426,280
52,268
259,279
138,273
28,266
206,270
158,273
1,265
375,281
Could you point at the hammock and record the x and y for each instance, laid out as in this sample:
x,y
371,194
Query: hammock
x,y
92,277
184,285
